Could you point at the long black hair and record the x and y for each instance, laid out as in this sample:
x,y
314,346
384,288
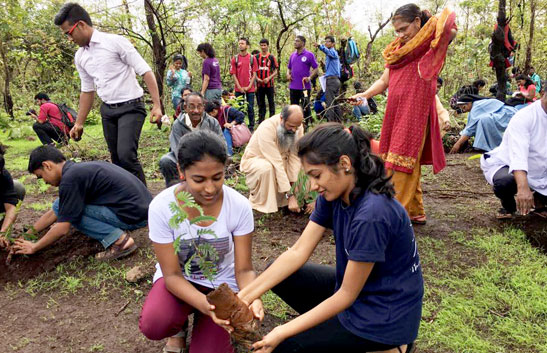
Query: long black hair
x,y
207,48
409,12
527,80
194,146
330,141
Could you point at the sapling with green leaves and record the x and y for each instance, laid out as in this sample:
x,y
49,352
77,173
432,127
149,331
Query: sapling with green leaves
x,y
300,190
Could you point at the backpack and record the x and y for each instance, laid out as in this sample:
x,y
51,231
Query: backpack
x,y
236,57
68,115
352,52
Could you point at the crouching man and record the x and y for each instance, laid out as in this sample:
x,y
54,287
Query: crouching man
x,y
518,167
271,163
100,199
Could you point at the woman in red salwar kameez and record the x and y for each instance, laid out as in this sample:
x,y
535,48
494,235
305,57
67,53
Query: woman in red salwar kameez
x,y
410,133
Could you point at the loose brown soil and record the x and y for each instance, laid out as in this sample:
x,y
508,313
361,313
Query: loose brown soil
x,y
458,199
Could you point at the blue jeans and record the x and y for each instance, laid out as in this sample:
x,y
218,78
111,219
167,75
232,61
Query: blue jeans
x,y
176,101
250,98
228,137
100,223
360,110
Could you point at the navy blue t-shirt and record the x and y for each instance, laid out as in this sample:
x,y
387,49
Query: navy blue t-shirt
x,y
375,228
101,184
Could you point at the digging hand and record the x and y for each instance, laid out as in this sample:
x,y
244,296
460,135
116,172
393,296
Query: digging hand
x,y
258,309
525,201
269,342
22,246
293,204
4,243
225,324
310,207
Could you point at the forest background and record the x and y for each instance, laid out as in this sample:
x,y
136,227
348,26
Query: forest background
x,y
36,57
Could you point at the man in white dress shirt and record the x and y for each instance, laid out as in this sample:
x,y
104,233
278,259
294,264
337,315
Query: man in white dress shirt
x,y
107,63
518,167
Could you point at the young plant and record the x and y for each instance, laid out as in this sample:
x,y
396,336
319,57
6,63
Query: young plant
x,y
10,238
301,190
203,253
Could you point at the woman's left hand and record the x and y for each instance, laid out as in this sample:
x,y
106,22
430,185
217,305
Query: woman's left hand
x,y
258,309
269,342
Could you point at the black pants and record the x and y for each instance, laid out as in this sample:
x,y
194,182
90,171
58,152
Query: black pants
x,y
304,290
297,97
122,127
261,94
47,133
250,98
505,188
332,92
169,170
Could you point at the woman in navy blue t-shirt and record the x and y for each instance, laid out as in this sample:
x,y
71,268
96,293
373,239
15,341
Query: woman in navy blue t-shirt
x,y
372,299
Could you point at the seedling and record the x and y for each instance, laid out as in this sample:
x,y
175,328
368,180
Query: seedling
x,y
301,190
10,238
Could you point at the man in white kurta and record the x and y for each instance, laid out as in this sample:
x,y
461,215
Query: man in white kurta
x,y
518,167
271,163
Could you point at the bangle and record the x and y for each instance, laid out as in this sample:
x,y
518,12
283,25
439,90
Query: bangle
x,y
288,195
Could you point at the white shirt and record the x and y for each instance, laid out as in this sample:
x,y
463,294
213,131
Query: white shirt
x,y
524,147
108,66
235,219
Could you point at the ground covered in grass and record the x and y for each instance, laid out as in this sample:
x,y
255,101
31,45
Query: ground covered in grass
x,y
485,280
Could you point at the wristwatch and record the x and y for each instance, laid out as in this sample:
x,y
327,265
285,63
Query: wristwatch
x,y
288,195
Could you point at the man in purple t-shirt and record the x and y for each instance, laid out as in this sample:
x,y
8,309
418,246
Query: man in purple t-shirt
x,y
211,87
299,74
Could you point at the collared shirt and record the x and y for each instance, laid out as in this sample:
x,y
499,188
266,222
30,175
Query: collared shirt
x,y
188,122
108,65
523,147
332,64
300,65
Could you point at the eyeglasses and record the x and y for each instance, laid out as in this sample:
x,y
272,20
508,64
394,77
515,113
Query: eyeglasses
x,y
69,33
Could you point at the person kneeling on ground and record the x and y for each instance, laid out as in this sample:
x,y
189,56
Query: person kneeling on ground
x,y
227,117
175,294
270,162
99,199
487,120
193,118
371,301
517,168
11,193
49,125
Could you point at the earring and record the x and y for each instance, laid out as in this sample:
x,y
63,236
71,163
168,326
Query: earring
x,y
181,177
347,170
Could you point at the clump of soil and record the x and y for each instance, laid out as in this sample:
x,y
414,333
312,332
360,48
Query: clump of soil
x,y
228,306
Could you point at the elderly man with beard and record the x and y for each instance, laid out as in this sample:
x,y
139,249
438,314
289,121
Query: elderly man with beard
x,y
271,163
192,118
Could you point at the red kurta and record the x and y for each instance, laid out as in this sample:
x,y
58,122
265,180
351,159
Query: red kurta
x,y
411,106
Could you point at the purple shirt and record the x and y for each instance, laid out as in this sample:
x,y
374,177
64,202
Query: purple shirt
x,y
300,65
211,68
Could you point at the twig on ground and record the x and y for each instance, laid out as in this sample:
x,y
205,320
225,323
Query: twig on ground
x,y
123,308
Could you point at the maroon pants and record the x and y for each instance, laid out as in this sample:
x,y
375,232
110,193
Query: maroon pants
x,y
163,315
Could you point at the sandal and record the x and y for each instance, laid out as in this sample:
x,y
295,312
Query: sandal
x,y
116,251
418,220
172,349
503,214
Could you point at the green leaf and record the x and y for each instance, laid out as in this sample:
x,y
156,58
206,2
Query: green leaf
x,y
199,219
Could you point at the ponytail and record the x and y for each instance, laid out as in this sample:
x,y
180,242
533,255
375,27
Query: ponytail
x,y
425,15
330,141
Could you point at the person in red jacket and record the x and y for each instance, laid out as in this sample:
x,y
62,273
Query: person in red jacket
x,y
49,125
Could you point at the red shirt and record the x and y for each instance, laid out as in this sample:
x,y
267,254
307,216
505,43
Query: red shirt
x,y
50,112
244,71
267,64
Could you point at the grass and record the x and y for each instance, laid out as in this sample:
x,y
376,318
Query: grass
x,y
496,305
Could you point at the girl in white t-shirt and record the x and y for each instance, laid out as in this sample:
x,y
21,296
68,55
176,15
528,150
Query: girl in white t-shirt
x,y
175,295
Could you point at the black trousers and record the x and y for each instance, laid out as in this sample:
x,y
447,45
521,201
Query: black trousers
x,y
250,99
297,97
261,94
169,170
505,188
304,290
122,127
333,112
47,133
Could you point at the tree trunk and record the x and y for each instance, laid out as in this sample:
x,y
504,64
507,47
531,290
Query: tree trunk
x,y
159,50
528,61
498,59
8,100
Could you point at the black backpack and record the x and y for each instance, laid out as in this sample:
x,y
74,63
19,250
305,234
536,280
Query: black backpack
x,y
68,115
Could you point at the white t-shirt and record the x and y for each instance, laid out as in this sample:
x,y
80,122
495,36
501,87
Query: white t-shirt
x,y
235,219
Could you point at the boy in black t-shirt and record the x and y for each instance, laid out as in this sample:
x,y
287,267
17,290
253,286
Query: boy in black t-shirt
x,y
99,199
11,192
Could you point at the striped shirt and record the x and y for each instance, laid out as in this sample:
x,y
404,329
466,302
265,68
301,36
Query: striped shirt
x,y
267,64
